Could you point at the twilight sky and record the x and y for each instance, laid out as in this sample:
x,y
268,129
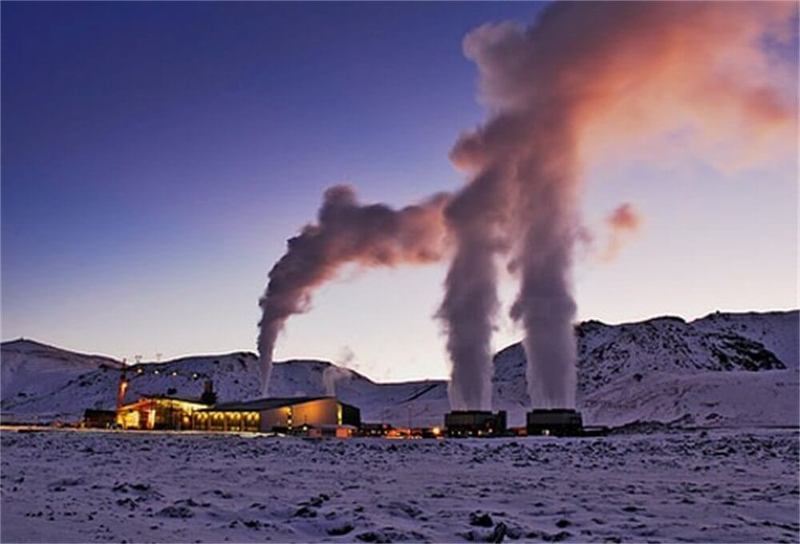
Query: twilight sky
x,y
156,156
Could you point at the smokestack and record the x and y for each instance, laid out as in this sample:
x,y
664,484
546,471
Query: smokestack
x,y
346,232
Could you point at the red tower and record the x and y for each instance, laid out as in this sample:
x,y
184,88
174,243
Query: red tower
x,y
122,388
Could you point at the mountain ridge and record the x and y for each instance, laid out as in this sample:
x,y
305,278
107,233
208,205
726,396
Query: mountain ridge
x,y
626,372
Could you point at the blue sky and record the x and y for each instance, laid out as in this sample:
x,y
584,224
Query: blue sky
x,y
156,156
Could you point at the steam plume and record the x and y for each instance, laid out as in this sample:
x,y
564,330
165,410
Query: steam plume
x,y
622,223
345,232
584,82
585,73
470,303
339,372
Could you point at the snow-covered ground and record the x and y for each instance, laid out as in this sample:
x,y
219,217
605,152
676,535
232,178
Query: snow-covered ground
x,y
711,486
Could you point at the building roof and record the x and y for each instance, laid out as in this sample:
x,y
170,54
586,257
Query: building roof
x,y
149,398
264,404
194,400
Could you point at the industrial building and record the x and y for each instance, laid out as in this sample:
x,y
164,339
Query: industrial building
x,y
556,422
158,413
475,423
375,430
313,416
324,415
98,419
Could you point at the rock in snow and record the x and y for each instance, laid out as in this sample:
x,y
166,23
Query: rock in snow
x,y
724,369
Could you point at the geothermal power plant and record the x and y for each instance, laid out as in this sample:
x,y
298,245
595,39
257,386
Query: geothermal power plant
x,y
550,99
519,209
318,416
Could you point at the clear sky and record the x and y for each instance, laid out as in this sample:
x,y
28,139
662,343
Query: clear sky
x,y
156,156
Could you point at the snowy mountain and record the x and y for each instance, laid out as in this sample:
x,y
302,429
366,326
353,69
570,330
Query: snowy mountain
x,y
723,369
30,369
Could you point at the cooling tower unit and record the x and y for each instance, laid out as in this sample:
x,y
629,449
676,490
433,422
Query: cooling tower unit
x,y
475,423
560,422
